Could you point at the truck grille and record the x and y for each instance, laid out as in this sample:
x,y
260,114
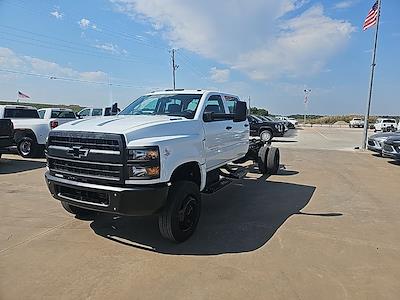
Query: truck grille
x,y
87,156
91,143
388,148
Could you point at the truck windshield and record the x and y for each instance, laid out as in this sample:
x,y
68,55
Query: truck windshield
x,y
21,113
182,105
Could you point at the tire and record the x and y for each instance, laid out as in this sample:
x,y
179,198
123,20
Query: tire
x,y
77,211
179,219
27,147
266,135
262,160
273,159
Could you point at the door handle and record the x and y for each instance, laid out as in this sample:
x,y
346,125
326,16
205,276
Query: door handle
x,y
228,127
246,125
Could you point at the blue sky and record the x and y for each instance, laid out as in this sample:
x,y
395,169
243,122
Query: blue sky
x,y
269,50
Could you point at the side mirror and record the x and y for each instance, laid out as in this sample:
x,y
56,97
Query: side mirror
x,y
240,114
78,116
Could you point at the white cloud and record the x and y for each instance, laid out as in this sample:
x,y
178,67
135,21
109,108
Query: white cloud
x,y
219,75
84,23
57,13
111,48
10,60
344,4
263,38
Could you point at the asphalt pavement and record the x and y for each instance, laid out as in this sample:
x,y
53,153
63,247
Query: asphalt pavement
x,y
325,227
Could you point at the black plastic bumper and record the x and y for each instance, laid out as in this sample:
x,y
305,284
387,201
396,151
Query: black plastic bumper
x,y
140,200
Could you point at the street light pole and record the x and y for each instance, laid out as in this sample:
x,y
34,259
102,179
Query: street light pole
x,y
306,94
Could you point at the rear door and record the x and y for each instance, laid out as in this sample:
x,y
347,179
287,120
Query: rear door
x,y
217,133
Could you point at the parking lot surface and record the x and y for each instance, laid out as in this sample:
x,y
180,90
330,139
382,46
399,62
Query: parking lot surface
x,y
325,227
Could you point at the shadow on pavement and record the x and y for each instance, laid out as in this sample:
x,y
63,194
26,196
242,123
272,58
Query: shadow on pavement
x,y
9,166
394,162
240,218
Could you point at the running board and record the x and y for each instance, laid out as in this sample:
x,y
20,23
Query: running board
x,y
223,182
234,172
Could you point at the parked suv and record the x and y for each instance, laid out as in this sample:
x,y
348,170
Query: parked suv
x,y
376,141
155,157
391,147
266,130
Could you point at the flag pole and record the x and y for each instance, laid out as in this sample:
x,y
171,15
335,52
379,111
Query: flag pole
x,y
371,81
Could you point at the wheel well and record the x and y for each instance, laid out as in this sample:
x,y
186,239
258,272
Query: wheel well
x,y
20,134
188,171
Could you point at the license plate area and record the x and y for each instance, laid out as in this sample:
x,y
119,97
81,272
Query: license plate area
x,y
84,196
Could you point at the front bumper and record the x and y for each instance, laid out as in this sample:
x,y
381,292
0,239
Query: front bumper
x,y
140,200
391,151
375,146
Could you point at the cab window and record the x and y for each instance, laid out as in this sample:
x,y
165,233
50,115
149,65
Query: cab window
x,y
231,101
97,112
214,104
85,112
41,113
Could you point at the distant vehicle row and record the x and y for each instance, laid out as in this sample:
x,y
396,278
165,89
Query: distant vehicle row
x,y
381,124
31,126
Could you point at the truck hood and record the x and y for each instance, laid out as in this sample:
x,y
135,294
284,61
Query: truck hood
x,y
117,124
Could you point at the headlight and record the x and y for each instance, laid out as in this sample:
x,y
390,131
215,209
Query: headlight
x,y
143,163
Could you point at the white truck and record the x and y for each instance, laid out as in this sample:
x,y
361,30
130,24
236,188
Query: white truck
x,y
155,157
30,132
384,124
356,123
90,112
57,115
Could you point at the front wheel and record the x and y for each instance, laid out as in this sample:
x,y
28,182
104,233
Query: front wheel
x,y
179,219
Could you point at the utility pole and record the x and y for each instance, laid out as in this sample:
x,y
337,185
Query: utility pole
x,y
110,95
306,94
174,68
371,81
249,105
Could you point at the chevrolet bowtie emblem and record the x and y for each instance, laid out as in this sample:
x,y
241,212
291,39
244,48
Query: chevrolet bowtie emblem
x,y
78,152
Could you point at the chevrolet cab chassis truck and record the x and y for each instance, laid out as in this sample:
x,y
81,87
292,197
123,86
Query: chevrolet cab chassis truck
x,y
155,157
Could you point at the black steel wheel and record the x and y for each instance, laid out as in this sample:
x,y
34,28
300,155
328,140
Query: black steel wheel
x,y
179,219
262,160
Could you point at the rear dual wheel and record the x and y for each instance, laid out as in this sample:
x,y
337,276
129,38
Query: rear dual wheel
x,y
268,160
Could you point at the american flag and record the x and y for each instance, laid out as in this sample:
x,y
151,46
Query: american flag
x,y
22,95
372,17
